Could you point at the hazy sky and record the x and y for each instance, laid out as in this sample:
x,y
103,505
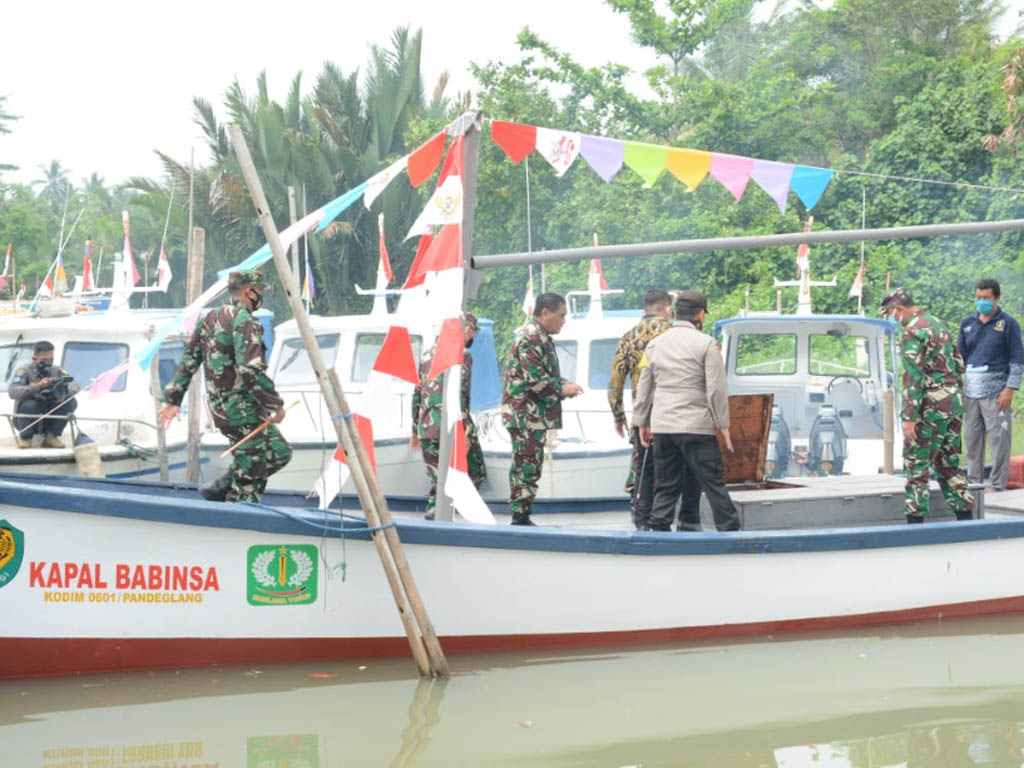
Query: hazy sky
x,y
100,85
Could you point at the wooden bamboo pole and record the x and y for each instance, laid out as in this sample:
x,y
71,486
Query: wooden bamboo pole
x,y
196,259
430,639
390,550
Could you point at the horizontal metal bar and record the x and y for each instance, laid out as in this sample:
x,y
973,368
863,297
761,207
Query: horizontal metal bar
x,y
490,261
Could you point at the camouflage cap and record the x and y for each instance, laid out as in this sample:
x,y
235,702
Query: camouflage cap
x,y
469,319
896,296
690,302
245,277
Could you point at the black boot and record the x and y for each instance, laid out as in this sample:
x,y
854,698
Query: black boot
x,y
915,519
965,515
523,520
218,489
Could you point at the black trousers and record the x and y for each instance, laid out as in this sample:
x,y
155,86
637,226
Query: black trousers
x,y
643,488
677,457
31,408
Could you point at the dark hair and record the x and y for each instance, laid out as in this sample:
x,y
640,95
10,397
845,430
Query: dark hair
x,y
549,301
42,346
655,298
988,284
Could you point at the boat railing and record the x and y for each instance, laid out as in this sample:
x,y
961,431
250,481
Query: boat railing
x,y
74,418
575,429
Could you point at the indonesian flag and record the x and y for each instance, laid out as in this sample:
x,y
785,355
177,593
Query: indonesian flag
x,y
857,289
87,281
459,488
385,261
47,287
529,301
394,360
129,259
803,262
163,272
595,279
7,262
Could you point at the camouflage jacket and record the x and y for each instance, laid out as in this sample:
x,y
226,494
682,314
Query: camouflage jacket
x,y
627,359
25,382
532,389
427,397
228,343
932,366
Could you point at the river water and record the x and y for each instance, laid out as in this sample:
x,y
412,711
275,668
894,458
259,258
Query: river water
x,y
926,695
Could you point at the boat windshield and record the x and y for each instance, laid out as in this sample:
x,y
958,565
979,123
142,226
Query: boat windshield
x,y
766,354
367,347
85,360
168,360
602,353
566,359
293,367
832,355
12,357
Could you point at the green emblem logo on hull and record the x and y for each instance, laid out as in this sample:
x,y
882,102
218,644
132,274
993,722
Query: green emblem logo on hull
x,y
12,547
282,574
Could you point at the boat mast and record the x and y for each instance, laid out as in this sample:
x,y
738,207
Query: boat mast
x,y
803,281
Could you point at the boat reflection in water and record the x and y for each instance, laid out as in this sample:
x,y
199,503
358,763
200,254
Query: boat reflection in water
x,y
917,696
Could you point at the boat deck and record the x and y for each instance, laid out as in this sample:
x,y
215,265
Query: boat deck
x,y
799,503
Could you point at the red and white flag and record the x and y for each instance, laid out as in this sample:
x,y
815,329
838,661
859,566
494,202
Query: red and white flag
x,y
459,488
803,262
163,272
394,361
87,281
7,263
47,287
129,259
595,279
857,289
385,261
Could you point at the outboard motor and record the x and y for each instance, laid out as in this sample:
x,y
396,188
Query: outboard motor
x,y
827,443
777,456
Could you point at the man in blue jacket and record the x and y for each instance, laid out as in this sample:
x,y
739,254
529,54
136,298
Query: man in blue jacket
x,y
990,344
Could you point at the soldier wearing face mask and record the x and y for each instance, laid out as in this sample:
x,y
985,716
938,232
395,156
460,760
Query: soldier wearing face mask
x,y
42,388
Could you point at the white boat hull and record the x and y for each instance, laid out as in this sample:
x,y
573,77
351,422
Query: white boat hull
x,y
114,580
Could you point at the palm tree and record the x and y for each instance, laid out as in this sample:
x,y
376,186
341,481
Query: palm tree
x,y
327,142
56,186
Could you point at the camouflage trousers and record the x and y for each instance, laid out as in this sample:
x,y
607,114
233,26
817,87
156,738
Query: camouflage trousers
x,y
474,458
524,471
936,445
256,461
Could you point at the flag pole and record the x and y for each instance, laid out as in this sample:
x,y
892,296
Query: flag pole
x,y
423,641
863,225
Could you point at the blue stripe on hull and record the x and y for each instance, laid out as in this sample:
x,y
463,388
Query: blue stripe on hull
x,y
168,503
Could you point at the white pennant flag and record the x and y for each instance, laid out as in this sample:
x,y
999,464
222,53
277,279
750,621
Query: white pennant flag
x,y
560,148
163,272
459,488
380,181
443,207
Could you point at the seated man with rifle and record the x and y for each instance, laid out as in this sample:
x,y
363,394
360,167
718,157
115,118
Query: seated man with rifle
x,y
44,396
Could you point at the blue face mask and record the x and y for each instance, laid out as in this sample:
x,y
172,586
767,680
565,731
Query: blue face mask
x,y
893,321
984,306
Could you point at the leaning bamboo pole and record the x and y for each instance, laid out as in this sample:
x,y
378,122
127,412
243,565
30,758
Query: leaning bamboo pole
x,y
430,659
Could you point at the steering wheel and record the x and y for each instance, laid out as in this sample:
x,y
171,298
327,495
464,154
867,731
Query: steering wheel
x,y
843,380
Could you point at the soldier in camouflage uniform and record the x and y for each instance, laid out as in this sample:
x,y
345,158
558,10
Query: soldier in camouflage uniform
x,y
531,401
626,365
933,376
228,342
426,416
